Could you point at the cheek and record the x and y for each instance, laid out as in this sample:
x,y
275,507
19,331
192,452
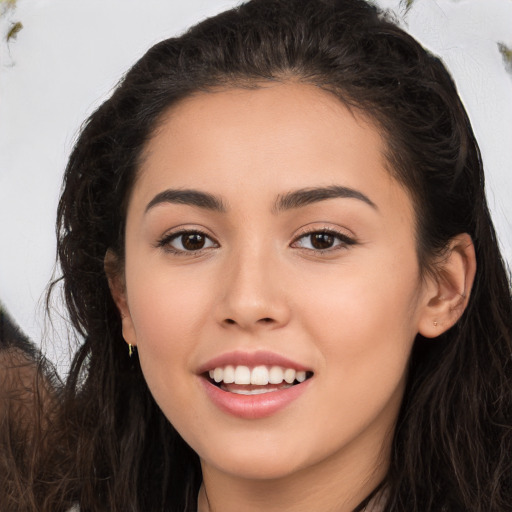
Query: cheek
x,y
365,344
167,308
168,311
366,319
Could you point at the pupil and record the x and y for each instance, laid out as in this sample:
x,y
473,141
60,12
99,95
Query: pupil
x,y
193,241
322,240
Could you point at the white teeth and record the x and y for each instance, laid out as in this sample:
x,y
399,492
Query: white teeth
x,y
258,391
242,375
289,375
218,374
300,376
258,376
229,374
275,375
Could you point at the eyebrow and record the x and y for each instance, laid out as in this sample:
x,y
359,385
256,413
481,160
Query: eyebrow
x,y
188,197
306,196
288,201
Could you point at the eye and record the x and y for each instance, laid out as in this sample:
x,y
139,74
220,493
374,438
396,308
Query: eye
x,y
187,241
323,241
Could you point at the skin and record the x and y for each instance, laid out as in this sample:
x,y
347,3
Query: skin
x,y
349,313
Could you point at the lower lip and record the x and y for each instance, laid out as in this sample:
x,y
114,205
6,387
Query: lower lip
x,y
253,406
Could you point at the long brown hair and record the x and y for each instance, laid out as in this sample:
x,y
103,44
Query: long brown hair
x,y
26,396
114,449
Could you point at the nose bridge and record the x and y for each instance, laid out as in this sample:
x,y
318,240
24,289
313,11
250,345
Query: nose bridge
x,y
252,294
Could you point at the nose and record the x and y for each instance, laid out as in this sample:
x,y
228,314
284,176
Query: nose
x,y
252,295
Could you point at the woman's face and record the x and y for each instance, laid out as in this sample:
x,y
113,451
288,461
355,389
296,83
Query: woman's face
x,y
266,242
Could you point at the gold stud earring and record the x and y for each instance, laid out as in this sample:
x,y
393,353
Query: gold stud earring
x,y
130,350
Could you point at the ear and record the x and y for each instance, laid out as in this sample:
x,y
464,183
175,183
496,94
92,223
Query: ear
x,y
116,283
450,287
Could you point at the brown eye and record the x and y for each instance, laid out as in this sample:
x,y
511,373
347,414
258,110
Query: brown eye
x,y
322,240
193,241
187,241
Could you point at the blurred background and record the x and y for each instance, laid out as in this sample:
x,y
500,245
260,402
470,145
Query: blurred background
x,y
59,59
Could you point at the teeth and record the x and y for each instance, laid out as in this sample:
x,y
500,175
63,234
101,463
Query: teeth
x,y
275,375
242,375
289,375
218,374
300,376
258,391
229,374
258,376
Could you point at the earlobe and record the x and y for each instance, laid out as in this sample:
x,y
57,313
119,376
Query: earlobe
x,y
118,290
450,287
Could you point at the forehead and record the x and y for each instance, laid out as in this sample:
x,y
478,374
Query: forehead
x,y
264,140
273,117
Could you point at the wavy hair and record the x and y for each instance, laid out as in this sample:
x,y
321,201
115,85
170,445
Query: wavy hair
x,y
27,388
452,449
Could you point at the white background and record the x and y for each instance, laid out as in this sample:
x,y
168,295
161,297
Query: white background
x,y
70,54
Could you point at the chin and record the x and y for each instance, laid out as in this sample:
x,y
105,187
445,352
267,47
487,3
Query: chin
x,y
255,461
249,469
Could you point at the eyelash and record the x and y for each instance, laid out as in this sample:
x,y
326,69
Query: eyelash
x,y
343,239
165,242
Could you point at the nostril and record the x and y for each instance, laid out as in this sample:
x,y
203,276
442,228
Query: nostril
x,y
266,320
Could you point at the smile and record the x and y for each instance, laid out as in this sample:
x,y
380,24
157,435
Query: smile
x,y
261,379
252,386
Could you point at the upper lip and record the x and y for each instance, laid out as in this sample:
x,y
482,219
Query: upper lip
x,y
250,359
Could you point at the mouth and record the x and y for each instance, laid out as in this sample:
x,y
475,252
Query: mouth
x,y
257,380
254,385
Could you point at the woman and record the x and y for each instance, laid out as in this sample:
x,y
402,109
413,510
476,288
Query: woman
x,y
275,242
